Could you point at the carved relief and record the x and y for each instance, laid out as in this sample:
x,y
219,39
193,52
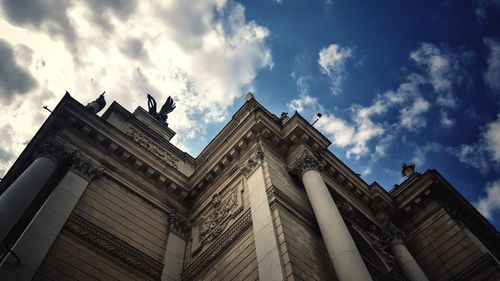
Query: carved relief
x,y
84,167
379,243
211,226
113,246
145,142
306,162
393,234
253,162
346,211
54,149
218,247
177,225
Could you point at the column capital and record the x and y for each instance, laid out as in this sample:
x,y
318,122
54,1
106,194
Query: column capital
x,y
253,162
177,225
53,149
306,162
84,167
393,234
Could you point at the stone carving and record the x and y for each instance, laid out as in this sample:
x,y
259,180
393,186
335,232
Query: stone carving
x,y
346,211
212,226
306,162
177,226
96,105
218,247
113,246
167,107
253,162
393,234
85,168
376,238
407,170
143,141
54,149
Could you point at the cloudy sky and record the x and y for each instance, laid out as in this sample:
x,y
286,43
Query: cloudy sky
x,y
395,82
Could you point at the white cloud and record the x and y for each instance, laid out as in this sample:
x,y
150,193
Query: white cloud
x,y
305,104
445,120
411,117
441,70
492,74
420,155
492,139
366,171
203,53
491,202
472,155
484,154
332,61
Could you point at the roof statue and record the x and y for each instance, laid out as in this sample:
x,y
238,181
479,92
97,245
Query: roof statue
x,y
407,170
167,107
97,105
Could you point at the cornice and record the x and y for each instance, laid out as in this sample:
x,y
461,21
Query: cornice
x,y
113,246
138,156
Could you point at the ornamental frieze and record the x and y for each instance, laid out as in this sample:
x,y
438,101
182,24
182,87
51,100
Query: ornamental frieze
x,y
148,144
223,210
113,246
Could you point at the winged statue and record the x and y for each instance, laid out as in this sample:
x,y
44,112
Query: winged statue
x,y
167,107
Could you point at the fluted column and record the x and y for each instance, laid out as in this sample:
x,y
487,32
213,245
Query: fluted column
x,y
404,259
19,195
341,248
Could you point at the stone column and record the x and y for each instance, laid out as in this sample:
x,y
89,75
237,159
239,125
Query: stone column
x,y
38,237
404,259
19,195
342,250
173,259
266,244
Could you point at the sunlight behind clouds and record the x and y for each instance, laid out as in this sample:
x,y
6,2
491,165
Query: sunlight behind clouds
x,y
204,54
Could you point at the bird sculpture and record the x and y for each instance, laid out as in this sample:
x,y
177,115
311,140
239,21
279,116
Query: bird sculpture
x,y
167,107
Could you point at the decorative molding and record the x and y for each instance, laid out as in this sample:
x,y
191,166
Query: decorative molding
x,y
217,248
84,167
211,227
54,149
253,162
145,142
178,226
305,163
113,246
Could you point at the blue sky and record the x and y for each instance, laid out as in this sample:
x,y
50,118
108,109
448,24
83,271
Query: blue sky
x,y
395,81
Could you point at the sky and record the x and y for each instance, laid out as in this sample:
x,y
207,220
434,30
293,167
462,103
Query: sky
x,y
396,81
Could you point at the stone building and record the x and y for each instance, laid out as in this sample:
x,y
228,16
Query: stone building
x,y
111,198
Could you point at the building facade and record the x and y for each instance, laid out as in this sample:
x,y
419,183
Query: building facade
x,y
111,198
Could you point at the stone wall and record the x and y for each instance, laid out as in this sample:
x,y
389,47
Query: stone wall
x,y
446,250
